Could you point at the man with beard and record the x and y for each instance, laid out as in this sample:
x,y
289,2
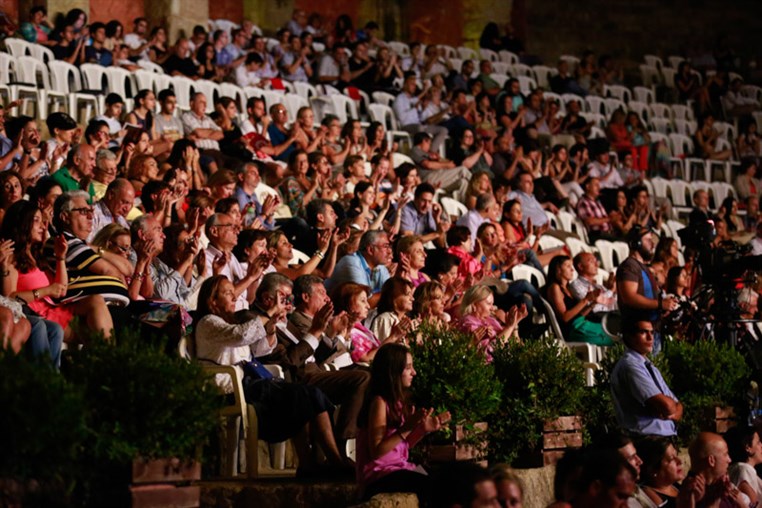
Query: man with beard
x,y
636,287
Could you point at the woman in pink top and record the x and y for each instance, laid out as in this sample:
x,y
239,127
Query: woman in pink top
x,y
389,426
353,299
488,323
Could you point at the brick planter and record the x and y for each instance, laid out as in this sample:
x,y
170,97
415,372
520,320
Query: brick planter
x,y
165,482
719,419
457,450
557,436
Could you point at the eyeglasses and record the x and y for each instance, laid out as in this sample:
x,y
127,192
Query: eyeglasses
x,y
287,299
384,245
85,210
123,248
234,226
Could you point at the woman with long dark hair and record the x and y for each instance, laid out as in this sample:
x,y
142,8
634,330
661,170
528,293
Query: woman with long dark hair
x,y
389,426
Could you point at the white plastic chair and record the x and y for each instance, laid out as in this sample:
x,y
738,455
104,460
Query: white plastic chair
x,y
384,98
566,220
452,207
150,66
398,47
662,125
122,82
501,79
293,104
576,246
211,91
182,87
685,127
618,92
679,192
659,110
606,251
508,57
17,47
674,61
572,60
622,250
467,53
529,274
644,94
385,115
35,73
41,53
668,76
66,83
641,108
649,75
236,93
306,90
298,257
488,54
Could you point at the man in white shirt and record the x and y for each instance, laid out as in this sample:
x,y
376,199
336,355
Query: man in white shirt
x,y
114,207
136,40
408,107
602,169
248,73
586,265
334,67
756,242
223,236
198,127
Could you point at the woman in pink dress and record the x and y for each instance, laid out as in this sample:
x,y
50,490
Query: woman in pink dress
x,y
389,426
40,285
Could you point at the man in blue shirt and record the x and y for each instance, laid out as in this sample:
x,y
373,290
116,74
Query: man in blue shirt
x,y
251,209
366,266
422,216
643,402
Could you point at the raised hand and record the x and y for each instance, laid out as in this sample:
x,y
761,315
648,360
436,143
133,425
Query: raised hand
x,y
219,263
60,247
322,318
6,254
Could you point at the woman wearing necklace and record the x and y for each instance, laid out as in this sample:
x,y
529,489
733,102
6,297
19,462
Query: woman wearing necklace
x,y
661,471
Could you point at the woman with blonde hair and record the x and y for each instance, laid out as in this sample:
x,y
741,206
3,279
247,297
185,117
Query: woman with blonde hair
x,y
510,488
488,324
113,238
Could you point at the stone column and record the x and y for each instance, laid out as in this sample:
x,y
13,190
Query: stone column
x,y
267,15
178,16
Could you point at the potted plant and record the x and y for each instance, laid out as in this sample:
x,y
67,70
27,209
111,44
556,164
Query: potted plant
x,y
452,374
710,379
542,393
42,428
148,413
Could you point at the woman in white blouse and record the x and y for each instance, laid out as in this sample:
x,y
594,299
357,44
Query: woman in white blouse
x,y
284,410
745,450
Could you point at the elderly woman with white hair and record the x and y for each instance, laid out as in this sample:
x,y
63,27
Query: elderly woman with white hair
x,y
488,324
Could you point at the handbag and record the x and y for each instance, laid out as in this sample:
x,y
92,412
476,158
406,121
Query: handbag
x,y
255,370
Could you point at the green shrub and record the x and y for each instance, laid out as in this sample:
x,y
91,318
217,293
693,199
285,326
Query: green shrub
x,y
42,425
452,374
142,402
540,382
705,374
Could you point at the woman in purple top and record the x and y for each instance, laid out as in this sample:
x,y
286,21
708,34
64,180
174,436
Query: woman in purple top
x,y
389,425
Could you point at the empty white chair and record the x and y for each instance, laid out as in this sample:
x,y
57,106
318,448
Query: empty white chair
x,y
649,75
682,148
659,187
41,53
643,94
520,69
400,48
66,81
529,274
542,74
144,79
527,84
182,87
572,60
17,47
384,98
306,90
668,75
618,92
488,54
576,246
467,53
685,127
594,104
508,57
566,219
293,103
150,66
659,110
122,82
500,79
653,61
621,251
720,191
449,51
343,107
455,209
726,131
680,192
606,251
674,61
662,125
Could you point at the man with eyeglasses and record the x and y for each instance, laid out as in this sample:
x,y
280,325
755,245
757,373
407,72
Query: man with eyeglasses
x,y
114,207
366,267
223,236
643,402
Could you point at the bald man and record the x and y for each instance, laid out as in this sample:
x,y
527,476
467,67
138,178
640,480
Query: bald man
x,y
709,483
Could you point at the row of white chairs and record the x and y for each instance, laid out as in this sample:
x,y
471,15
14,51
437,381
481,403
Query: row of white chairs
x,y
680,192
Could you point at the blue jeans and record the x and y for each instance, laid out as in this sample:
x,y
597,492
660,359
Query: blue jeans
x,y
520,291
46,338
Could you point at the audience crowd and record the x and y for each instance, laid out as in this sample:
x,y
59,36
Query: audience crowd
x,y
295,238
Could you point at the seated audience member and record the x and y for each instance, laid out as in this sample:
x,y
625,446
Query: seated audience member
x,y
41,283
395,303
78,170
460,484
412,254
602,478
282,413
643,402
700,213
96,52
436,171
510,488
482,212
530,206
248,202
282,252
366,267
174,269
223,236
280,134
334,67
661,473
710,461
295,64
114,207
516,234
706,138
592,213
199,127
587,268
480,317
602,168
421,216
180,62
573,314
408,106
745,450
248,74
167,124
353,299
461,245
747,184
104,173
429,304
385,437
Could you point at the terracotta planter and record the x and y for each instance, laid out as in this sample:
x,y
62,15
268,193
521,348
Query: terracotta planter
x,y
557,436
165,482
457,450
719,419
